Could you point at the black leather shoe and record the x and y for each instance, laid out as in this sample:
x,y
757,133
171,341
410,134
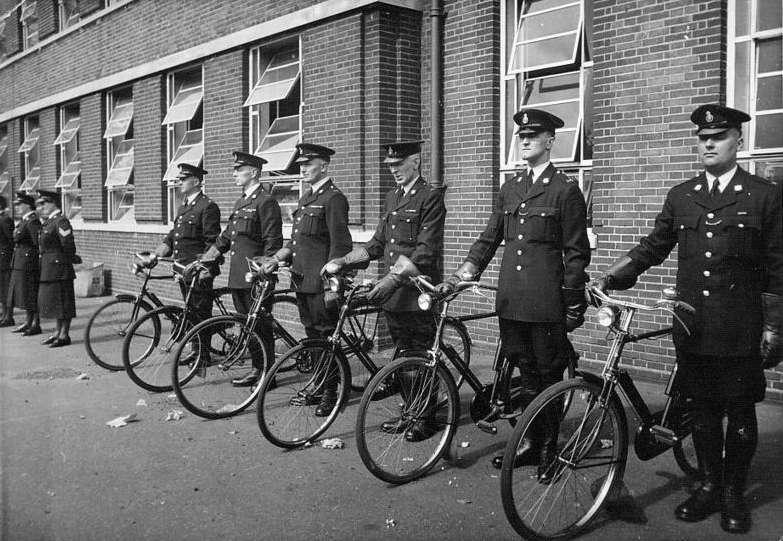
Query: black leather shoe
x,y
734,515
21,328
33,331
704,502
328,402
421,430
248,380
7,323
394,426
548,466
527,455
49,340
60,342
191,358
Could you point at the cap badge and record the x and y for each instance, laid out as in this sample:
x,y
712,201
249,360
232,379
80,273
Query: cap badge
x,y
525,119
697,188
708,117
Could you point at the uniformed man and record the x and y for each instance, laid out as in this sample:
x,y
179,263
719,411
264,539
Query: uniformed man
x,y
320,233
6,252
541,216
196,226
25,269
728,226
57,253
255,229
409,238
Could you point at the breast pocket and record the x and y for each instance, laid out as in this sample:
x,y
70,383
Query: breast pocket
x,y
686,227
313,221
510,222
246,224
742,235
542,224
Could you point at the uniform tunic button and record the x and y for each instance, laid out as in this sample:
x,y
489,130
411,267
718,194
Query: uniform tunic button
x,y
391,254
710,215
519,252
709,234
708,254
706,273
705,293
392,241
519,267
294,243
232,252
740,225
522,221
522,205
235,221
394,227
520,237
296,230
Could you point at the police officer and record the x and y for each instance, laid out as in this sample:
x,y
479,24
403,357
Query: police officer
x,y
728,226
541,215
196,226
255,229
320,233
25,269
6,252
409,238
57,254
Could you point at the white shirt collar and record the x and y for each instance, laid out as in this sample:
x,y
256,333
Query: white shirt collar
x,y
26,214
192,197
406,189
251,189
538,170
723,180
316,186
54,213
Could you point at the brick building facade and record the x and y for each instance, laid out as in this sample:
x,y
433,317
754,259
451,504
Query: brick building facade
x,y
153,81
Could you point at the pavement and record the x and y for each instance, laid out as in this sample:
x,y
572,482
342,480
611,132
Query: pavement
x,y
65,475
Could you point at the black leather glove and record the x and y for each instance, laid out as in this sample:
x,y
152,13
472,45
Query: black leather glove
x,y
770,335
385,288
358,258
576,305
466,271
621,275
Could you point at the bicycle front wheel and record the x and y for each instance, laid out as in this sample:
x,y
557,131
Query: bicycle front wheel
x,y
578,461
287,327
149,347
407,418
204,382
106,329
309,374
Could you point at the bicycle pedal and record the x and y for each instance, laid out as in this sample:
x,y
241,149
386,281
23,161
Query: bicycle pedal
x,y
489,428
663,434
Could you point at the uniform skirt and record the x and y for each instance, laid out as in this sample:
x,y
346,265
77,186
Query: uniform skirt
x,y
5,281
56,300
721,378
23,290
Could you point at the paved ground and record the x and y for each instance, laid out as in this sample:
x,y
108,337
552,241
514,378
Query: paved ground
x,y
65,475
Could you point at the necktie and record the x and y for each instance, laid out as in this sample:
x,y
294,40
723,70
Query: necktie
x,y
307,189
714,191
529,180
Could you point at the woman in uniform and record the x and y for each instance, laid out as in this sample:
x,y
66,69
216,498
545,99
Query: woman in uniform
x,y
23,286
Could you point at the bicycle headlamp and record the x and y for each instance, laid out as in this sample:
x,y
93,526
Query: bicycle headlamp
x,y
250,276
334,284
425,301
607,315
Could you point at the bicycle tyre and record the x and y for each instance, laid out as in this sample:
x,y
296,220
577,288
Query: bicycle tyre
x,y
91,341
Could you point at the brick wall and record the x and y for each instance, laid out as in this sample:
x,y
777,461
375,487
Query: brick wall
x,y
92,154
150,158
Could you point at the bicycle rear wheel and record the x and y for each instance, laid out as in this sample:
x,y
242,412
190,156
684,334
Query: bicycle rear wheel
x,y
579,462
292,390
107,328
204,384
405,400
149,347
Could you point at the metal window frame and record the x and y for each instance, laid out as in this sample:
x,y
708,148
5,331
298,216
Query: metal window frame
x,y
115,108
173,93
185,153
295,135
291,82
108,183
66,20
31,180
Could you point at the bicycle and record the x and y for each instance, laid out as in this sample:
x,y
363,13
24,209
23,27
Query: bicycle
x,y
585,446
113,319
293,388
150,340
426,392
204,386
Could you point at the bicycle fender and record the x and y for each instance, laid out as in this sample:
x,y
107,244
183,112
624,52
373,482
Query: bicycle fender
x,y
132,298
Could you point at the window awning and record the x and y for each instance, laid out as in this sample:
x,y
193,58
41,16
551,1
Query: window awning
x,y
122,165
68,132
71,173
120,120
5,180
547,35
31,181
184,105
29,9
3,145
30,141
278,79
278,147
190,151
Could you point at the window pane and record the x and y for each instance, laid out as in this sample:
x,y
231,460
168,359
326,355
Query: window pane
x,y
120,120
287,196
279,144
549,23
3,145
769,14
70,175
534,6
31,181
768,132
68,132
742,78
563,149
769,93
190,151
742,17
770,170
266,91
770,53
587,117
72,203
29,9
547,52
184,105
552,88
30,141
122,165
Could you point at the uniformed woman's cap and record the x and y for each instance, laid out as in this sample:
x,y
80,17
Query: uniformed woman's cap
x,y
45,196
243,158
23,198
397,152
532,121
308,151
188,170
713,118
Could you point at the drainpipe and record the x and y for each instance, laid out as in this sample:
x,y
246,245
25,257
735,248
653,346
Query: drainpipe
x,y
436,107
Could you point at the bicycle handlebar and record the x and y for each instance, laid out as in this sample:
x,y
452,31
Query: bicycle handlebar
x,y
666,303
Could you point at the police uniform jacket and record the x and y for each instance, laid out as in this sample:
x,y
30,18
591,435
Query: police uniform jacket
x,y
730,250
545,232
411,226
196,227
255,228
320,234
56,249
25,256
6,242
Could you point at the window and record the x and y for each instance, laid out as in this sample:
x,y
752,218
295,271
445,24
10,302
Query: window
x,y
68,13
3,47
274,100
5,175
31,170
29,21
184,129
547,65
70,164
119,154
755,73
